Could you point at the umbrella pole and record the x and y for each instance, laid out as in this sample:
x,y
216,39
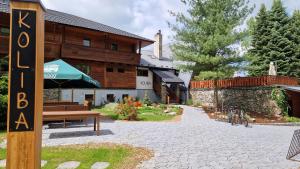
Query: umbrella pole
x,y
72,95
59,91
94,97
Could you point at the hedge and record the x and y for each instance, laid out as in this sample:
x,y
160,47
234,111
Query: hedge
x,y
3,101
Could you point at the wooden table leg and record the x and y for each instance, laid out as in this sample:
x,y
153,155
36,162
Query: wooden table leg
x,y
98,126
86,122
95,123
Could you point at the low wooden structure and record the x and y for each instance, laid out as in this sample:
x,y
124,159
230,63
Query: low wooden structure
x,y
246,82
73,115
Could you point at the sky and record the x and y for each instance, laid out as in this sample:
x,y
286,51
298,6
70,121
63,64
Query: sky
x,y
141,17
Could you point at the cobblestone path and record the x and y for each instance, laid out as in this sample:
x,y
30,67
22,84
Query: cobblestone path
x,y
196,142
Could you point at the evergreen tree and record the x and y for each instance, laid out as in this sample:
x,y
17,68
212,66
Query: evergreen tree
x,y
274,40
295,38
205,37
280,46
260,39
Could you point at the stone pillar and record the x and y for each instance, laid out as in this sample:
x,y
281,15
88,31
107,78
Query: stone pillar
x,y
178,93
163,93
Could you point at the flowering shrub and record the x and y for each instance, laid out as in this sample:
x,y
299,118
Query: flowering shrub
x,y
127,109
138,104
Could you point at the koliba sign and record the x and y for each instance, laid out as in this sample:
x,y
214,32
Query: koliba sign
x,y
22,70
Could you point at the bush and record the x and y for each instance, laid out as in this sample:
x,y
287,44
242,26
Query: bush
x,y
127,109
281,99
147,100
3,101
189,102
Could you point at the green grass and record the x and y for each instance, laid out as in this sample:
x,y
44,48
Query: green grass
x,y
2,136
153,114
145,113
109,110
291,119
88,155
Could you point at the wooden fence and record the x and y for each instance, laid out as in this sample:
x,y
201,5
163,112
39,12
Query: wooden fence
x,y
246,82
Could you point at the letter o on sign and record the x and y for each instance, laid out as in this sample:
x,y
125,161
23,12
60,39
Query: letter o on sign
x,y
23,34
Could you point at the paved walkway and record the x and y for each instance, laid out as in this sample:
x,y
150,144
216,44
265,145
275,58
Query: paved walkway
x,y
194,143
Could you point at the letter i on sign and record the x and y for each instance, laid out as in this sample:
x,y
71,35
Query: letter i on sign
x,y
25,103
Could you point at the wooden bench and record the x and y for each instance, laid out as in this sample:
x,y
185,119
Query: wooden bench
x,y
60,103
66,108
72,115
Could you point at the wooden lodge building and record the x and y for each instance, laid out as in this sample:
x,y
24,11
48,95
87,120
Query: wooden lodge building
x,y
109,55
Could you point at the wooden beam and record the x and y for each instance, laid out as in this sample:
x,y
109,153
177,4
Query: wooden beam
x,y
25,103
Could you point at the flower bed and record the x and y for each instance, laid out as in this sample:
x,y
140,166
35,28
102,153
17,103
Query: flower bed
x,y
136,111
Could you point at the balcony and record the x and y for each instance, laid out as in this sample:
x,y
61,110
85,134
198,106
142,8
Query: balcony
x,y
70,51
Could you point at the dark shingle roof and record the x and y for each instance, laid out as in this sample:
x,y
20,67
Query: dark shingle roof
x,y
168,76
72,20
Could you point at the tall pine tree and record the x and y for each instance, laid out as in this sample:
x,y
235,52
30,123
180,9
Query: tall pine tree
x,y
207,35
280,46
273,42
295,38
260,39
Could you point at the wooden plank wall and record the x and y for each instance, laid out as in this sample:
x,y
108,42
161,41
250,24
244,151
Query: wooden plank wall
x,y
66,42
115,79
246,82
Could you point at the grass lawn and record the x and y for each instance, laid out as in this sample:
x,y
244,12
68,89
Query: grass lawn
x,y
2,136
292,119
145,113
119,156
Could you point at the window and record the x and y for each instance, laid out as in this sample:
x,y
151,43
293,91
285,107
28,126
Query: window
x,y
84,68
110,98
4,1
114,46
87,42
142,72
4,31
121,70
124,96
89,97
109,69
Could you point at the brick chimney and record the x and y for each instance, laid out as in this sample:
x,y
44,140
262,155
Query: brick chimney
x,y
158,45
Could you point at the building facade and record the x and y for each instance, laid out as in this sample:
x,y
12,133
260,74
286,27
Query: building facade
x,y
111,56
107,54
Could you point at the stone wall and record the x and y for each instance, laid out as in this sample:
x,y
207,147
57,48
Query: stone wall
x,y
252,99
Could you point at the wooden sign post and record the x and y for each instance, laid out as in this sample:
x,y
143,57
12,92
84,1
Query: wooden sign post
x,y
25,103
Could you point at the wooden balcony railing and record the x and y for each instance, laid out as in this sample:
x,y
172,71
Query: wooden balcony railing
x,y
94,54
246,82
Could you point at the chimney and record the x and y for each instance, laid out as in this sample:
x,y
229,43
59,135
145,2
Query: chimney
x,y
158,45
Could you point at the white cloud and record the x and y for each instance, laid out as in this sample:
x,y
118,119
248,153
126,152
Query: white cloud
x,y
141,17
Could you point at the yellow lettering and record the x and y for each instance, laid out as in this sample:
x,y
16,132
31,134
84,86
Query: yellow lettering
x,y
21,20
21,120
21,100
27,40
18,62
22,80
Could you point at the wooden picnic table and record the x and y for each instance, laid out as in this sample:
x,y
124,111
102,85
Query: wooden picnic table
x,y
72,115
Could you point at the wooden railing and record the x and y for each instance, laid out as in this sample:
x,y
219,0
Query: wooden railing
x,y
246,82
71,51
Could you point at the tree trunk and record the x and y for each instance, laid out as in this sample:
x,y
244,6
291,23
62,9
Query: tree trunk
x,y
216,96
